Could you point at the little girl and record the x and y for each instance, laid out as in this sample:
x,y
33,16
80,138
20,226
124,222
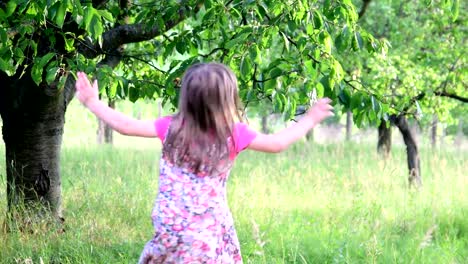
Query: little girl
x,y
192,221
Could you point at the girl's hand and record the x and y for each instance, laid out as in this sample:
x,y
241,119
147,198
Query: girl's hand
x,y
320,110
84,91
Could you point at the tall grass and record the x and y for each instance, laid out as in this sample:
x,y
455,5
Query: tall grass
x,y
312,204
337,203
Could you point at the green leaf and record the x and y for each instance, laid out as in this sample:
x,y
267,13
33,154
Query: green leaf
x,y
6,67
291,111
246,67
45,59
326,42
3,35
112,91
61,82
181,46
310,29
19,54
270,86
357,41
87,17
60,15
310,70
69,43
356,100
419,112
133,94
10,8
254,53
319,89
236,40
318,21
338,72
342,40
51,73
279,101
275,73
97,29
455,9
345,97
106,15
36,73
286,41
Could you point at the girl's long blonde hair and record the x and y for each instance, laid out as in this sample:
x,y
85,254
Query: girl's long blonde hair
x,y
208,109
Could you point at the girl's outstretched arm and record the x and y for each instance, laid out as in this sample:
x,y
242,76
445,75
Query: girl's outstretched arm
x,y
88,96
280,141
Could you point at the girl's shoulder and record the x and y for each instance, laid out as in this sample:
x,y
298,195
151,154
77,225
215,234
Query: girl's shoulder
x,y
162,125
243,136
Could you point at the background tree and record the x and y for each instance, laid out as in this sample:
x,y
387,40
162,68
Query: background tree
x,y
423,67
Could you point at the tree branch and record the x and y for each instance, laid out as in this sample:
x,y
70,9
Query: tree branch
x,y
132,33
452,95
365,4
99,4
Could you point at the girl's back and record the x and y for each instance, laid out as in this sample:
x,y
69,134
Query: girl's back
x,y
191,216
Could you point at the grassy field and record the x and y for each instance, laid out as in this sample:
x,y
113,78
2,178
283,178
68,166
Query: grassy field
x,y
312,204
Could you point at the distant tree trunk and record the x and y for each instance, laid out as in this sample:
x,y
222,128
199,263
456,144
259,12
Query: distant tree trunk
x,y
159,109
412,153
33,121
459,137
265,128
442,136
310,135
105,132
384,142
349,125
434,131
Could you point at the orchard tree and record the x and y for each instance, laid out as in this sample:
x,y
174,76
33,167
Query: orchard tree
x,y
280,50
424,66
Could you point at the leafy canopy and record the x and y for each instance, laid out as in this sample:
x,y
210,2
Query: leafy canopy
x,y
282,51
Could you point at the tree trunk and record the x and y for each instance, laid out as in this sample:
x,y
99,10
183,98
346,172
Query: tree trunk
x,y
159,109
33,121
384,142
434,131
105,132
310,135
443,135
459,136
412,153
349,125
265,128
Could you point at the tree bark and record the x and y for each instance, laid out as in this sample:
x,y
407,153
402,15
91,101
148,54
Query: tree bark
x,y
265,128
349,125
412,153
159,109
434,131
33,121
105,132
384,142
310,135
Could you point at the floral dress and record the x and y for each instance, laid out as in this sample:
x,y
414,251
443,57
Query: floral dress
x,y
191,217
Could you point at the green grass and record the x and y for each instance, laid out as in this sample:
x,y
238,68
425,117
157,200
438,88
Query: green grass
x,y
312,204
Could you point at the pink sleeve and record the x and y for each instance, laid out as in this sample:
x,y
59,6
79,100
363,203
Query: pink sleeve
x,y
243,136
162,124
